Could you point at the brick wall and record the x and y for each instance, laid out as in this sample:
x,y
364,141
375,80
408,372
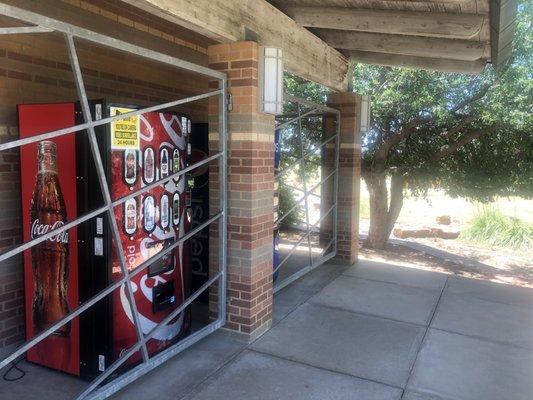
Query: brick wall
x,y
250,191
349,105
11,301
35,69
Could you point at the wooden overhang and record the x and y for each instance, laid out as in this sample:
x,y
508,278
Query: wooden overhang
x,y
304,53
320,37
444,35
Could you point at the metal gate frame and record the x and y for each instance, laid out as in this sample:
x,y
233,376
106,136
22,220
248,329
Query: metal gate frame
x,y
314,109
44,24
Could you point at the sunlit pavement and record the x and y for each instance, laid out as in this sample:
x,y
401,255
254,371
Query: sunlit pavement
x,y
372,331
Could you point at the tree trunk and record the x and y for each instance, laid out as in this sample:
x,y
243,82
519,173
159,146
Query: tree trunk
x,y
383,214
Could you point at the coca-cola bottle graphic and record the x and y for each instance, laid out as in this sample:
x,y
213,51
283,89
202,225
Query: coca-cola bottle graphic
x,y
130,217
164,212
164,167
50,259
176,209
176,165
149,214
130,166
149,165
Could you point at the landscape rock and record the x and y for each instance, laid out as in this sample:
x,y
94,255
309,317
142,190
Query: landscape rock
x,y
444,220
445,233
404,233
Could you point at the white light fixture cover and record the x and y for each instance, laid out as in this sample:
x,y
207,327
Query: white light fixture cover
x,y
365,114
270,80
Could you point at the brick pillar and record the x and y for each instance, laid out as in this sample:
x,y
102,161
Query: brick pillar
x,y
349,105
250,191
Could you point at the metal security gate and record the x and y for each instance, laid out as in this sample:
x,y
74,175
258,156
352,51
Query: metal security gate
x,y
307,164
106,384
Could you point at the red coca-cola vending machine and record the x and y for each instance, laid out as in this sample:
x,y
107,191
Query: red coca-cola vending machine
x,y
59,183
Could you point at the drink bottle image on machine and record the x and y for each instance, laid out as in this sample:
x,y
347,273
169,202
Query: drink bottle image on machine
x,y
50,259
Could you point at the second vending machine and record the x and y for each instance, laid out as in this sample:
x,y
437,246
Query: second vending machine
x,y
148,223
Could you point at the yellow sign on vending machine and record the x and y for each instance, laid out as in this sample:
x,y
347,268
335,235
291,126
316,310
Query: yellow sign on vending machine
x,y
125,132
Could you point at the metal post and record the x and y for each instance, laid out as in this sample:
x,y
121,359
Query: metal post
x,y
222,174
336,183
101,173
304,183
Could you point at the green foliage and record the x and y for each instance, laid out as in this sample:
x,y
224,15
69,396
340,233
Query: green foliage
x,y
287,200
311,127
435,112
304,89
492,227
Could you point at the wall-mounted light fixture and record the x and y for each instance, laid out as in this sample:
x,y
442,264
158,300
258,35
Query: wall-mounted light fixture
x,y
270,80
365,114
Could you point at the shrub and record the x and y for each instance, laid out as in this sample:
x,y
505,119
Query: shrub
x,y
494,228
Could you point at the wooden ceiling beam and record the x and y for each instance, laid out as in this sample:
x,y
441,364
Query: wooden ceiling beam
x,y
432,64
304,53
451,6
452,26
453,49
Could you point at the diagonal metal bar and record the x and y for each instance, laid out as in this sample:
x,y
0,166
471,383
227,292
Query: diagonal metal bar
x,y
113,367
92,214
101,173
293,249
291,121
297,161
300,190
103,40
82,127
299,201
183,306
327,246
310,104
297,275
24,29
103,293
105,391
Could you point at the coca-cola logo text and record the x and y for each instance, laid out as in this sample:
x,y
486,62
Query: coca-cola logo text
x,y
38,229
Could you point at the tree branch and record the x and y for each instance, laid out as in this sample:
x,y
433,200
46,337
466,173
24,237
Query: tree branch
x,y
467,138
409,128
460,125
477,96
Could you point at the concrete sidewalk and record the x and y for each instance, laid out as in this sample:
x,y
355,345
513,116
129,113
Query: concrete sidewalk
x,y
374,331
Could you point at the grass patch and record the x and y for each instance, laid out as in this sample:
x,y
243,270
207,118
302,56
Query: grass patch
x,y
494,228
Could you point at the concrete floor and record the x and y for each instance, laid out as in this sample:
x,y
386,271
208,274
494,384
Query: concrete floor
x,y
374,331
377,331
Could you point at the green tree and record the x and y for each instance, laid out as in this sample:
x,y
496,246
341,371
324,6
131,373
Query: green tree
x,y
470,135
